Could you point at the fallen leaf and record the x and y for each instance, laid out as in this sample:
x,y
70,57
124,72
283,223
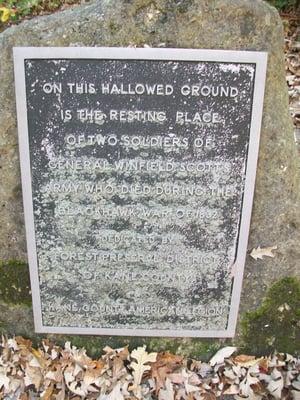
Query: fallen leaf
x,y
223,353
115,394
233,389
296,385
229,373
166,358
165,364
263,364
23,342
160,375
47,394
203,369
118,367
176,378
208,396
259,252
245,385
13,344
295,395
4,380
33,376
275,386
139,367
168,393
245,361
5,14
252,396
55,373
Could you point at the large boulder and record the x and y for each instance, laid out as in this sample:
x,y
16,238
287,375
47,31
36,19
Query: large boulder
x,y
217,24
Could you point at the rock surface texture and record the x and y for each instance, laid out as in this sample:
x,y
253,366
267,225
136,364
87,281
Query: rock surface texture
x,y
217,24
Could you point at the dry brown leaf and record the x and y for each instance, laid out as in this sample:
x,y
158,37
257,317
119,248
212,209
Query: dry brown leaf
x,y
243,358
176,378
233,389
259,252
165,364
118,367
169,359
160,375
245,361
23,342
33,376
208,396
59,374
123,353
263,364
47,394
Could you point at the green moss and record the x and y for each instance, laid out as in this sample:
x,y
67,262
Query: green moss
x,y
113,27
284,4
194,348
94,345
15,283
276,324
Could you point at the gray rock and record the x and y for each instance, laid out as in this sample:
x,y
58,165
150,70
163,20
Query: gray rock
x,y
215,24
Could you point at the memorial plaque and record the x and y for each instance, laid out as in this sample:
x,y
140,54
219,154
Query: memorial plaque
x,y
138,170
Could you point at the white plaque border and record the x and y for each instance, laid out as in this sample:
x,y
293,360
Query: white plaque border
x,y
251,57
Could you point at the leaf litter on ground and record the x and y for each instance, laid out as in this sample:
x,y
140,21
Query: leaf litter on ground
x,y
58,373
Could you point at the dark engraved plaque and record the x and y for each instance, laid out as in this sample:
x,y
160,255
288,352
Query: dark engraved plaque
x,y
138,170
